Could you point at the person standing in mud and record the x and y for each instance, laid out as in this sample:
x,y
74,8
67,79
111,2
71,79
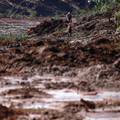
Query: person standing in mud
x,y
69,17
69,29
69,25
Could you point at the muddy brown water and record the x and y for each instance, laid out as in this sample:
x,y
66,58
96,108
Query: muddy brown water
x,y
103,116
31,97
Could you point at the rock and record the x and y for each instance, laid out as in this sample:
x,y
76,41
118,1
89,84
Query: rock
x,y
88,104
5,112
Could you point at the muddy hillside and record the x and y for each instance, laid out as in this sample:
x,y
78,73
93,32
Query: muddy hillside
x,y
54,76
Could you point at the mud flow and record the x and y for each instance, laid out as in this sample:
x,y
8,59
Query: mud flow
x,y
31,95
51,76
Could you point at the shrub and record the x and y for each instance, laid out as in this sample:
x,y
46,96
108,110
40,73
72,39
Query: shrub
x,y
106,8
117,19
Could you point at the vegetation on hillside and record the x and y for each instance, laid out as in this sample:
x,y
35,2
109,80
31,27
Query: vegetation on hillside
x,y
30,8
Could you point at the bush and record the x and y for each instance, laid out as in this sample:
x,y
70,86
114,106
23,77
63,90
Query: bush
x,y
106,8
117,19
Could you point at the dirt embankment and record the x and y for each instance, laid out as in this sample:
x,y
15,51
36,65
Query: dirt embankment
x,y
48,26
93,42
51,53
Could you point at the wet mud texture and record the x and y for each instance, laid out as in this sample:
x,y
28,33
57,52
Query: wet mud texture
x,y
9,113
88,61
64,58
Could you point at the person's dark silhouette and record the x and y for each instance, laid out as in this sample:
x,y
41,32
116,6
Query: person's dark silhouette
x,y
69,17
69,29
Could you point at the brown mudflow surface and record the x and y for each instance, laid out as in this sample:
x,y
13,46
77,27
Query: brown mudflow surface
x,y
34,73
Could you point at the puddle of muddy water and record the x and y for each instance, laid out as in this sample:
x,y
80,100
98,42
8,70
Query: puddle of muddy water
x,y
64,95
55,102
103,96
103,116
110,109
70,95
58,97
44,105
32,116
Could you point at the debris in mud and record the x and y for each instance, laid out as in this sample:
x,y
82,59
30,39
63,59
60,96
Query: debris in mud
x,y
6,112
47,26
74,107
27,93
59,85
88,104
52,114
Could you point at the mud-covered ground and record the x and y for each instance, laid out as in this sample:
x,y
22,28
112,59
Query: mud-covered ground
x,y
9,26
55,77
